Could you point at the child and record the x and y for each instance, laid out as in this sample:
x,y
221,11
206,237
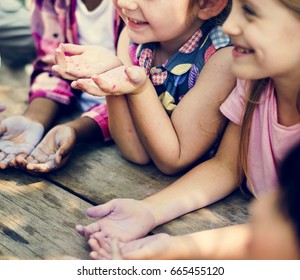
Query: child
x,y
153,121
254,142
273,231
55,22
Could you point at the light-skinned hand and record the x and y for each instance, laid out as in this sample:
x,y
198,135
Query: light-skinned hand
x,y
118,81
18,135
77,61
123,219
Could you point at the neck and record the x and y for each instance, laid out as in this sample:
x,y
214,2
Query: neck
x,y
288,101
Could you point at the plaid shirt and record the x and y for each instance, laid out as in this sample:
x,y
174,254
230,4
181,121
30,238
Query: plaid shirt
x,y
54,22
176,76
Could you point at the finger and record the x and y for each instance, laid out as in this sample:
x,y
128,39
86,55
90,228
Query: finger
x,y
135,74
59,71
76,71
96,256
100,211
60,58
105,85
93,243
103,240
88,85
4,162
73,49
80,229
91,229
115,250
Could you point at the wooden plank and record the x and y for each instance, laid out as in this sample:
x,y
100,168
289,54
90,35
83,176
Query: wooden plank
x,y
37,219
99,173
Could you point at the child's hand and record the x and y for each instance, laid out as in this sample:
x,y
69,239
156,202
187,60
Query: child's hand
x,y
83,61
153,247
52,152
123,219
18,135
118,81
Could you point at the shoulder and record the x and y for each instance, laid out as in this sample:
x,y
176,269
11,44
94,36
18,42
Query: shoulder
x,y
219,38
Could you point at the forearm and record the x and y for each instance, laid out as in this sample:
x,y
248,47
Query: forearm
x,y
205,184
155,128
221,243
86,129
176,142
123,130
43,111
196,189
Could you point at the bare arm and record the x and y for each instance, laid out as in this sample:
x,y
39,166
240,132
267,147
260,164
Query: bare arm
x,y
174,143
121,124
43,111
200,186
216,244
128,219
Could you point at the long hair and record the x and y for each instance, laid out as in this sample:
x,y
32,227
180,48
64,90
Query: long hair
x,y
256,89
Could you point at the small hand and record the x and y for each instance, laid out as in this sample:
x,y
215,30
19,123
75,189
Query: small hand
x,y
118,81
153,247
52,152
18,135
83,61
124,219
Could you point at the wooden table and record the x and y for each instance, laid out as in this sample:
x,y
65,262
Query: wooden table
x,y
38,214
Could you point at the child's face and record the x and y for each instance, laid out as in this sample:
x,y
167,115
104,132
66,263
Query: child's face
x,y
266,36
158,20
272,235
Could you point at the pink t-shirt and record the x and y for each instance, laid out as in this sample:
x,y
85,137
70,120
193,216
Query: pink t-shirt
x,y
269,141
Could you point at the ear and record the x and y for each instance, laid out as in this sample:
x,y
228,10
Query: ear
x,y
211,8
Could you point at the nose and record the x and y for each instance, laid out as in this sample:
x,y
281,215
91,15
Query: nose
x,y
231,26
128,4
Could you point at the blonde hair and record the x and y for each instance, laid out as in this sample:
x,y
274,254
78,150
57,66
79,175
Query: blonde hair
x,y
255,91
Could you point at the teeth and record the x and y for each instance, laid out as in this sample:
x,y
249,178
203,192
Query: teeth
x,y
136,21
244,51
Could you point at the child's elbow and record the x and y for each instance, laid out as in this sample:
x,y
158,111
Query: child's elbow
x,y
170,168
140,159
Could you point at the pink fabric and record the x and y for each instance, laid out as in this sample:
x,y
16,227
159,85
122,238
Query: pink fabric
x,y
269,141
54,22
100,115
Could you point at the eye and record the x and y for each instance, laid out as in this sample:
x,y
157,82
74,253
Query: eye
x,y
248,11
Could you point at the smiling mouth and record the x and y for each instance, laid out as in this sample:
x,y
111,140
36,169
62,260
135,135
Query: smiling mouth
x,y
243,50
137,21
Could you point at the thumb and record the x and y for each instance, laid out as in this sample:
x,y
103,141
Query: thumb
x,y
73,49
100,211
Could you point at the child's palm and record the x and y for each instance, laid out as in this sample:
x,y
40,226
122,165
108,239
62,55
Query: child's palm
x,y
52,152
18,135
118,81
123,219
